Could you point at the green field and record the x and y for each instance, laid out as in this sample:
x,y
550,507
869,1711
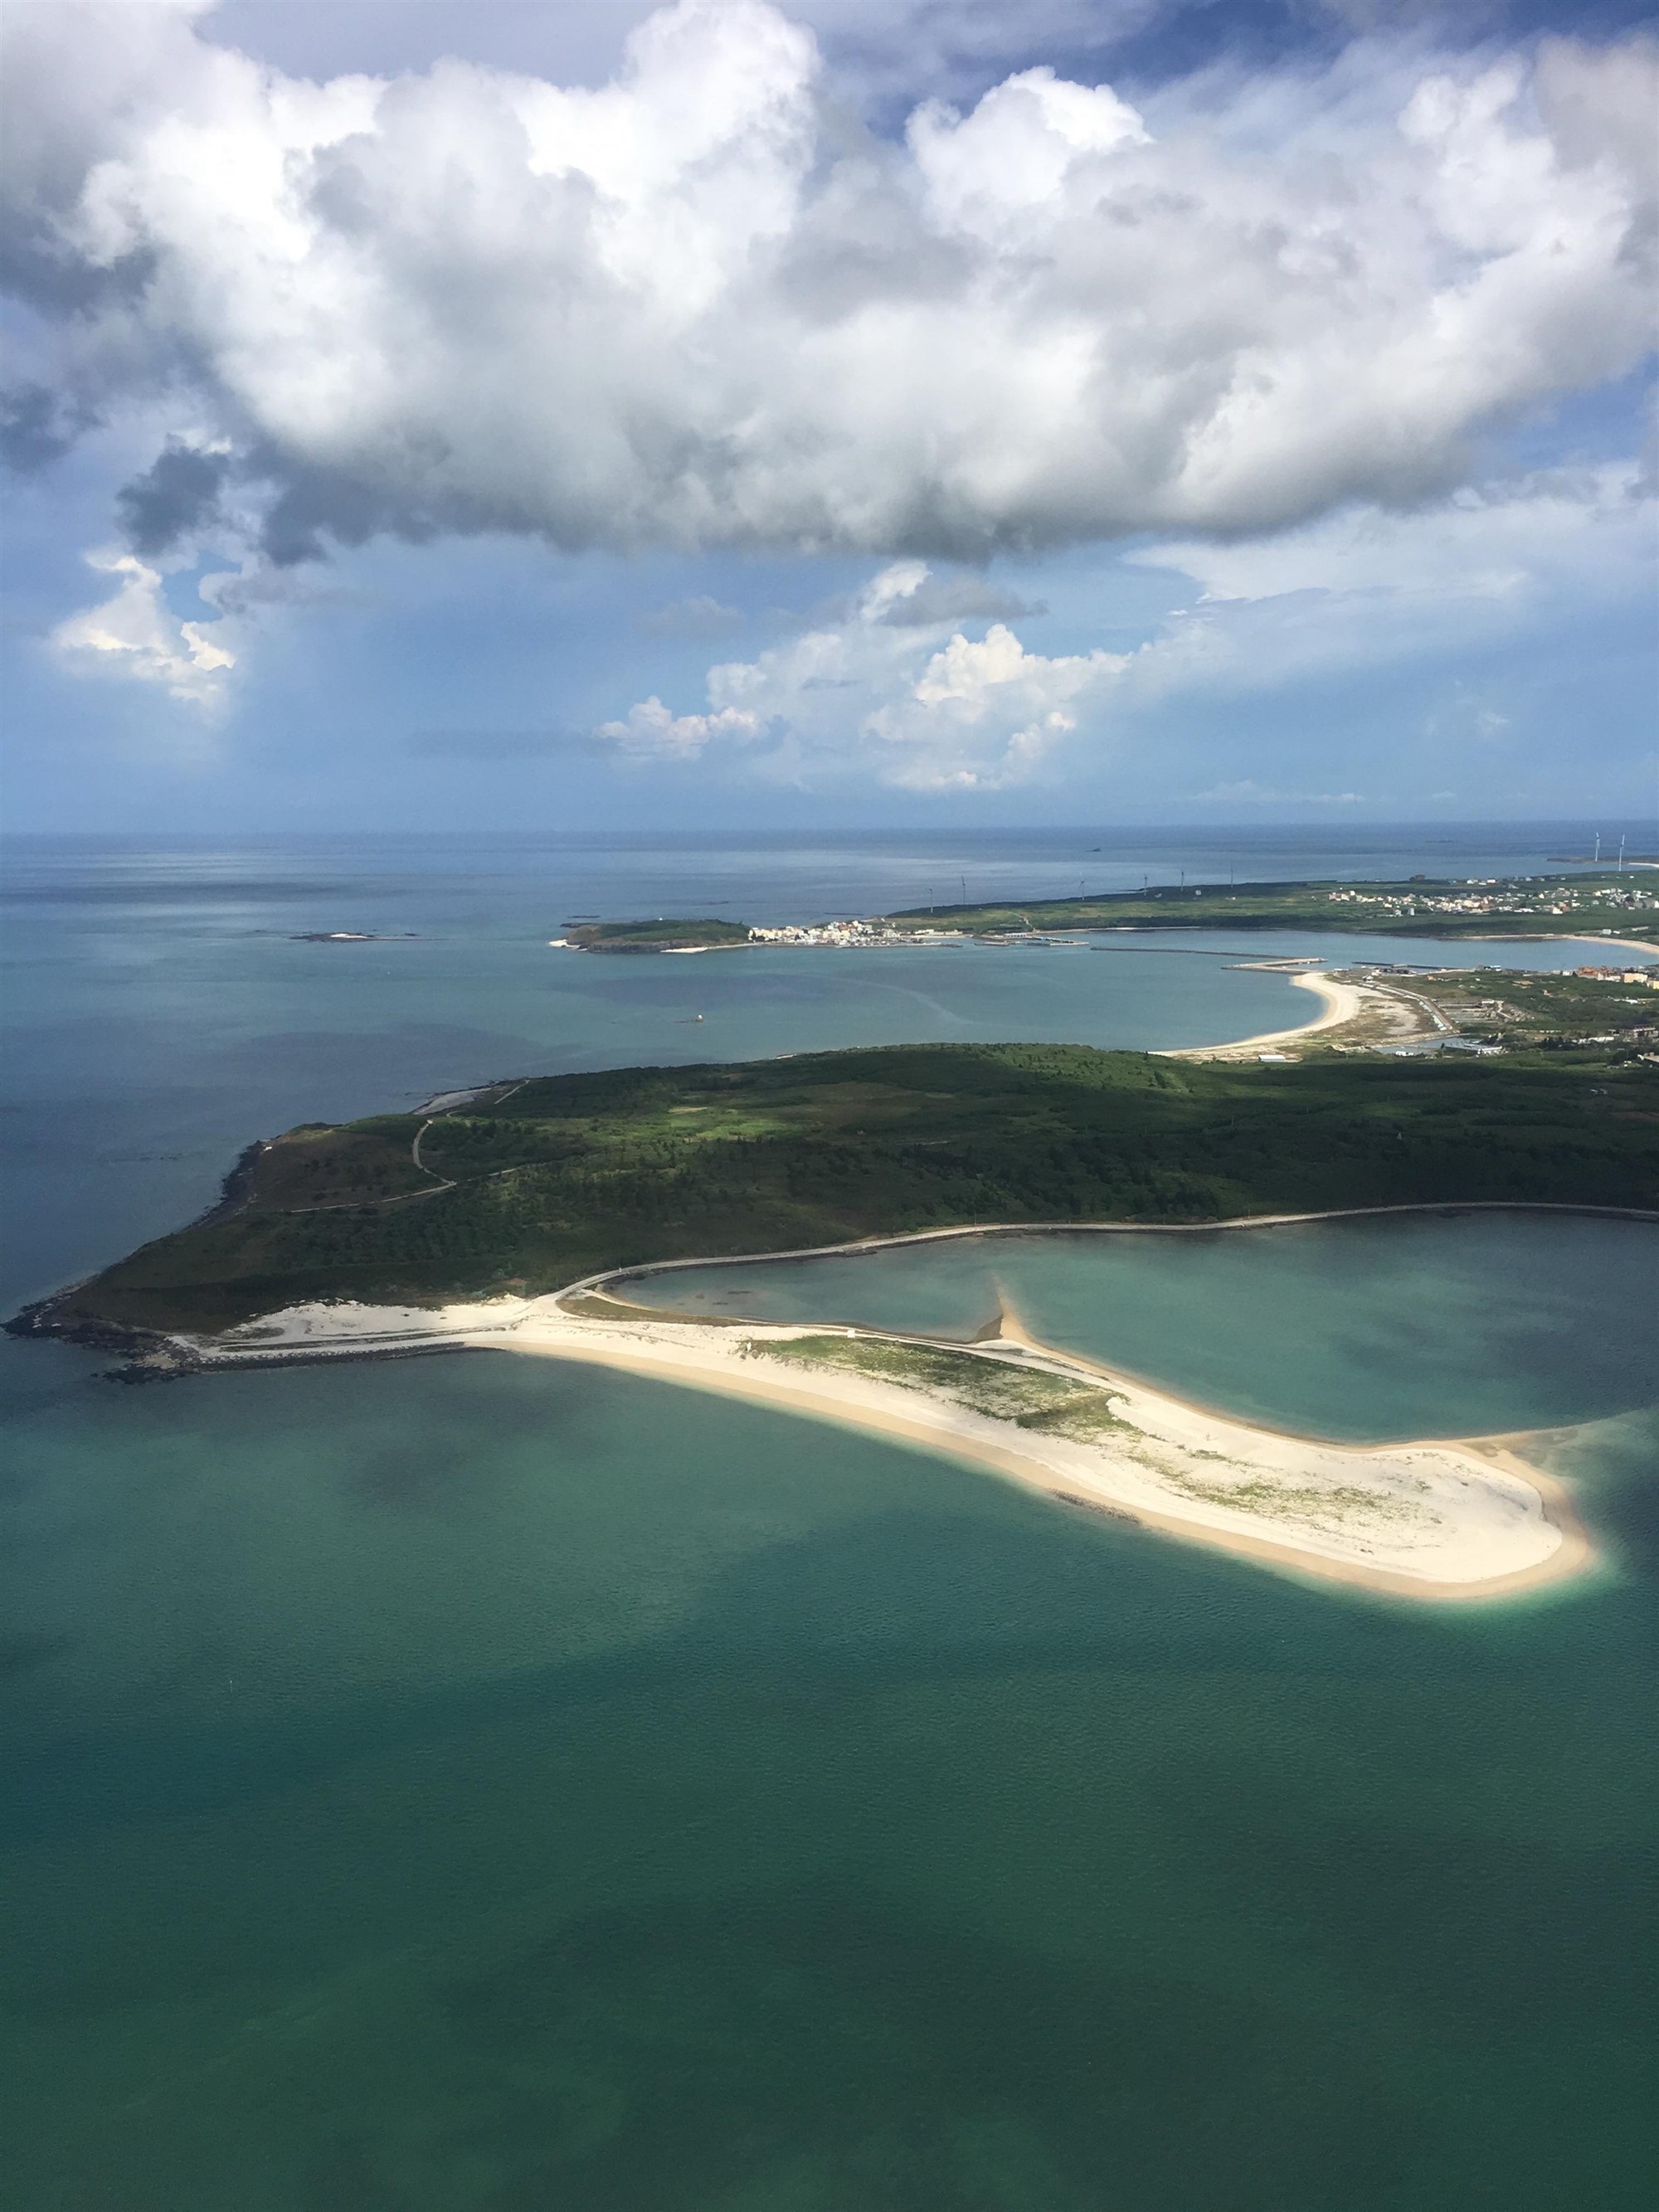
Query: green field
x,y
568,1175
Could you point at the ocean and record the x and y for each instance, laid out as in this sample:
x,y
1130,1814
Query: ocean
x,y
478,1784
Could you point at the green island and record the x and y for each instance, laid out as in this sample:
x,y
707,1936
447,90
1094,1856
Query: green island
x,y
1610,903
531,1185
660,936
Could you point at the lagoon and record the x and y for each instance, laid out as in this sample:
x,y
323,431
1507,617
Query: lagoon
x,y
1367,1330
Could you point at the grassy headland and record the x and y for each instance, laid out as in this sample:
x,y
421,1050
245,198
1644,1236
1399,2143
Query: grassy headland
x,y
565,1176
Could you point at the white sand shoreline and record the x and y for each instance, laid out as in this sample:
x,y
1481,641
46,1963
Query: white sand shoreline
x,y
1346,1002
1428,1519
1341,1003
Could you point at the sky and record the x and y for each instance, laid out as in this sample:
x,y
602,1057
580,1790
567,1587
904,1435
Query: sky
x,y
565,414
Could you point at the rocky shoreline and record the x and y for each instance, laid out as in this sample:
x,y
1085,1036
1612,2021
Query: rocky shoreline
x,y
150,1356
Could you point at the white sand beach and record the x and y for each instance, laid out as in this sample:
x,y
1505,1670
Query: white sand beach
x,y
1342,1002
1428,1519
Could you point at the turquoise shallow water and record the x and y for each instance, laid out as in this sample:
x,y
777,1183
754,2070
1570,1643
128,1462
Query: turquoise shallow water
x,y
1396,1326
480,1786
481,1783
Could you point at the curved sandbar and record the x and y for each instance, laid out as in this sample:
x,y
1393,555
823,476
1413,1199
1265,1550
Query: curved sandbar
x,y
1426,1519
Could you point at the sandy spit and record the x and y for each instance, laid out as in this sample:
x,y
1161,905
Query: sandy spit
x,y
1427,1520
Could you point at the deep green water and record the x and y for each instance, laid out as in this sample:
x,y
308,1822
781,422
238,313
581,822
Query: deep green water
x,y
475,1784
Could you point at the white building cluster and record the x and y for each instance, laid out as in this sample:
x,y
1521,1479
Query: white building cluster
x,y
833,933
1477,898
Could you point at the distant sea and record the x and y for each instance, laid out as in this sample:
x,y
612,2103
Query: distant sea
x,y
473,1785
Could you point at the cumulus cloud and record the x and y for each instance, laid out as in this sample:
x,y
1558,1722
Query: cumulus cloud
x,y
696,306
924,706
135,633
649,730
883,692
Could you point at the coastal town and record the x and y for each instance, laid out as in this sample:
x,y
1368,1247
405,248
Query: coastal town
x,y
1494,898
1610,903
844,934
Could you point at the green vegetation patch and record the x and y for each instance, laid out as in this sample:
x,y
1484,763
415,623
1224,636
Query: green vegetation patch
x,y
1619,904
1548,1012
658,936
572,1176
1026,1395
1331,1506
321,1166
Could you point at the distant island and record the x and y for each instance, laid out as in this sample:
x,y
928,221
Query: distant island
x,y
1608,903
660,936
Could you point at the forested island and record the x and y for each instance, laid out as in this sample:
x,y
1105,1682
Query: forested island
x,y
660,936
530,1186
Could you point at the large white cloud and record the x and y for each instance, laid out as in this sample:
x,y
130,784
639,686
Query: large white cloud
x,y
922,705
698,306
134,633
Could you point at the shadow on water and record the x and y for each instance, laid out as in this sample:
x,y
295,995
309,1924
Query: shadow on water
x,y
22,1654
977,1598
899,1597
819,2046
